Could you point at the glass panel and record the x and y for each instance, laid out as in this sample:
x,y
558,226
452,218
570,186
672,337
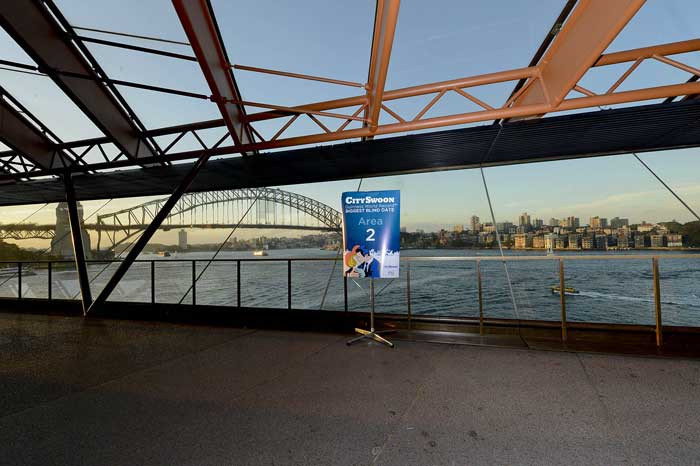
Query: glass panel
x,y
680,293
135,286
264,284
309,282
445,288
8,281
217,284
64,281
610,291
34,280
173,281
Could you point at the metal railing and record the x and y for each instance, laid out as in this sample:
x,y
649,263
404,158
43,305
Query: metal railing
x,y
52,266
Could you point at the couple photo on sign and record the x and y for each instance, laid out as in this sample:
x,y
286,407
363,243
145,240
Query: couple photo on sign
x,y
360,263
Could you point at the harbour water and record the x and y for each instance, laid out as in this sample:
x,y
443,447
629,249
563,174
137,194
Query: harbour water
x,y
615,291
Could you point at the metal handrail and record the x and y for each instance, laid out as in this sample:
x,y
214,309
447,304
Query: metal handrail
x,y
560,258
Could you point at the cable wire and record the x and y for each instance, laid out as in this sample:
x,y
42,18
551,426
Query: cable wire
x,y
335,263
221,246
500,248
666,186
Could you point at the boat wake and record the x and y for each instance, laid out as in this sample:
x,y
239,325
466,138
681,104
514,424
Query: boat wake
x,y
693,300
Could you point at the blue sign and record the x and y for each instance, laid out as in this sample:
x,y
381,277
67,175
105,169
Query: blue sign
x,y
371,233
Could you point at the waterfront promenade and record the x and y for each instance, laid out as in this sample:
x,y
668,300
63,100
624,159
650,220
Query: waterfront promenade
x,y
108,392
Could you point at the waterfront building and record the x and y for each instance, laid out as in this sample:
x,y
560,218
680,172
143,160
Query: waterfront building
x,y
674,241
524,220
538,242
553,222
474,224
572,222
561,242
458,229
645,227
587,242
488,227
617,222
598,223
574,241
623,241
641,241
601,242
182,240
523,240
550,241
506,227
658,241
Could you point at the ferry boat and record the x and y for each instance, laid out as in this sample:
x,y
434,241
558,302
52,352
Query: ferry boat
x,y
568,290
260,252
164,253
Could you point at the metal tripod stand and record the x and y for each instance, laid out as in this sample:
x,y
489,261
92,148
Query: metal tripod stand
x,y
371,333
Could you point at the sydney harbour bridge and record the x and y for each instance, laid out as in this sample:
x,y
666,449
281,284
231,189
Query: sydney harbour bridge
x,y
261,208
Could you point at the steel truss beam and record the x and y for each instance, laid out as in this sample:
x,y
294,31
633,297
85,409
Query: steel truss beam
x,y
588,31
40,29
199,23
386,16
488,113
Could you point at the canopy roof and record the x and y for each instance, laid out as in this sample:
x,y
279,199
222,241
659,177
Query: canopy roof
x,y
133,105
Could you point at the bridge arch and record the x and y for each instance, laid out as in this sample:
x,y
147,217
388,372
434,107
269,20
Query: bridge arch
x,y
122,225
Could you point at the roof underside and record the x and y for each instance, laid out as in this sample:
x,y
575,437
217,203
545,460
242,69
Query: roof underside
x,y
550,109
642,128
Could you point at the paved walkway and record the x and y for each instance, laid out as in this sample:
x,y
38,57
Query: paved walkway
x,y
101,392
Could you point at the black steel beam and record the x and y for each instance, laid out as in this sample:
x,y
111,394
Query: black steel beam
x,y
76,235
149,232
38,31
618,131
21,136
199,23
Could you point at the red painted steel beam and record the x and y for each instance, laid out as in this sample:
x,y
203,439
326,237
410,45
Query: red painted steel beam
x,y
589,30
37,31
386,16
197,18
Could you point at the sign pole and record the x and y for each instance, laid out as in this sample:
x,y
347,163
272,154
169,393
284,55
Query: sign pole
x,y
372,334
371,245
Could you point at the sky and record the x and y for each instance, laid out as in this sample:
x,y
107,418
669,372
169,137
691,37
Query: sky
x,y
438,40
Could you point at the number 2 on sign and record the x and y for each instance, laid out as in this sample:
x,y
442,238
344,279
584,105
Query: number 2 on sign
x,y
370,236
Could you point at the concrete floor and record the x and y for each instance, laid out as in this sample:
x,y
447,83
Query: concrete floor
x,y
103,392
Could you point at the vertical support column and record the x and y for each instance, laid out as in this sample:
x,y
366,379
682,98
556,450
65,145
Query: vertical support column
x,y
408,295
153,282
481,297
289,284
49,287
19,280
194,283
238,283
78,251
657,301
562,300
